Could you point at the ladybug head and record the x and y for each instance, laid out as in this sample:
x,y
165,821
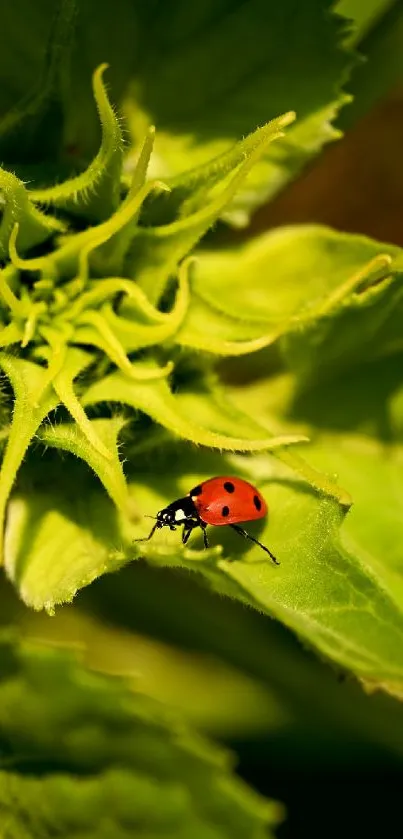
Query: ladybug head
x,y
166,518
163,519
176,513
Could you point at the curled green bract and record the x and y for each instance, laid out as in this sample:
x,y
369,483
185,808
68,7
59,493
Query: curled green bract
x,y
84,318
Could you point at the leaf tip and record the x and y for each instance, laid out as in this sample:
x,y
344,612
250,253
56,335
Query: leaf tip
x,y
287,118
12,247
160,186
100,70
294,439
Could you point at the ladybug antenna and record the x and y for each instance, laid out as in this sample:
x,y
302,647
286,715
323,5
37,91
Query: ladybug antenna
x,y
150,517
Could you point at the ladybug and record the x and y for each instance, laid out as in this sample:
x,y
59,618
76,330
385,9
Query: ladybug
x,y
218,501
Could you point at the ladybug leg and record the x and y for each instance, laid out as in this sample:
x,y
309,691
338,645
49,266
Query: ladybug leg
x,y
205,540
246,535
186,533
187,529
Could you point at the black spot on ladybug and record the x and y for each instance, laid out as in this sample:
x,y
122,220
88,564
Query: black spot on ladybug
x,y
225,511
196,491
257,502
229,486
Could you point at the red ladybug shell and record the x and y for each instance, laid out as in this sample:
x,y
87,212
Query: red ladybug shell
x,y
228,500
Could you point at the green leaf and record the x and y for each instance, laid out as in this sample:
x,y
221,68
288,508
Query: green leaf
x,y
104,246
155,398
114,802
34,398
94,330
157,251
355,423
215,410
360,322
206,79
107,466
95,193
373,530
379,40
364,15
138,324
212,331
108,760
308,283
63,384
98,333
66,533
323,593
31,131
17,209
236,69
199,642
11,334
10,304
193,189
